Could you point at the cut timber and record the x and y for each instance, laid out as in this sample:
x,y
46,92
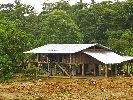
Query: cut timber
x,y
62,69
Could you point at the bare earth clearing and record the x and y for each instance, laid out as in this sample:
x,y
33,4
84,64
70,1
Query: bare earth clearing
x,y
119,88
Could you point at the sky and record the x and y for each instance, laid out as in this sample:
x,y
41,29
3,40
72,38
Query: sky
x,y
37,4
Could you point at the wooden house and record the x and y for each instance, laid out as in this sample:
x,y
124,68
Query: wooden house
x,y
78,59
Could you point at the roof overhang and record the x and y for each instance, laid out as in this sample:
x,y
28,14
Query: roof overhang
x,y
108,57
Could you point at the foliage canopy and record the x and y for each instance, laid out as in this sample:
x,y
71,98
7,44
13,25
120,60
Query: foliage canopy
x,y
21,29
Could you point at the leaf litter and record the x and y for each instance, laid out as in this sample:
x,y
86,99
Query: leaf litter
x,y
113,88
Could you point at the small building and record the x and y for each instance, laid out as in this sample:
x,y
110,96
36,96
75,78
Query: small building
x,y
79,59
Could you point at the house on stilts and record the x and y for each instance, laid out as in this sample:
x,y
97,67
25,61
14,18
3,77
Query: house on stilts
x,y
79,60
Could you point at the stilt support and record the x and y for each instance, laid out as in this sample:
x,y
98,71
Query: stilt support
x,y
128,69
94,70
106,70
115,70
83,70
48,69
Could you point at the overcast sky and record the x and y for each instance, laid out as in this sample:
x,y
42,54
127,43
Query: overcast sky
x,y
38,3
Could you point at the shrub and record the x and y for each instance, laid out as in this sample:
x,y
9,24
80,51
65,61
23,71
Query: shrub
x,y
6,69
30,71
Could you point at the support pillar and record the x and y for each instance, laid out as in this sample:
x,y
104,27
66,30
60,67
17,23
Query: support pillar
x,y
128,69
83,70
70,65
115,70
50,70
38,65
48,66
106,70
99,70
55,70
131,68
94,70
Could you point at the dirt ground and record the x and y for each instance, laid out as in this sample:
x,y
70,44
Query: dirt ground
x,y
94,88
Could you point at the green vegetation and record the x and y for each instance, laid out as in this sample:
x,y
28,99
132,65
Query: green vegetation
x,y
21,29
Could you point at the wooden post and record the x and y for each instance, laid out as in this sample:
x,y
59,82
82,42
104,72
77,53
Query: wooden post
x,y
99,70
131,68
83,70
48,66
37,68
115,70
106,70
55,69
128,69
94,69
50,70
70,65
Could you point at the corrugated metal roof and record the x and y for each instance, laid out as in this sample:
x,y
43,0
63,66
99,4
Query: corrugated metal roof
x,y
60,48
128,57
107,57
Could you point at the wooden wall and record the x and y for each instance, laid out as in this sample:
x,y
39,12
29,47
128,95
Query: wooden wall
x,y
76,58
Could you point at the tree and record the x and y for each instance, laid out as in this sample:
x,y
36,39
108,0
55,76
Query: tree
x,y
58,27
13,41
61,5
121,41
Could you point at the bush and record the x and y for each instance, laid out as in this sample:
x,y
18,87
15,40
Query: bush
x,y
30,71
6,69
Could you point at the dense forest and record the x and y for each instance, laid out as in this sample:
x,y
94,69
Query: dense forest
x,y
21,28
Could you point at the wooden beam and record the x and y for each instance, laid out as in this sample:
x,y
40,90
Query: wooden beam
x,y
83,70
106,70
62,69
